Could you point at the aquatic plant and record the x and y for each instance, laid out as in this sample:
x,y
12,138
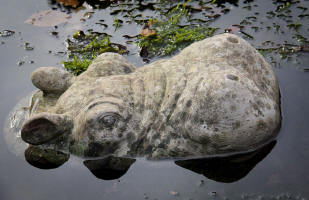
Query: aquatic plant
x,y
83,48
168,35
77,65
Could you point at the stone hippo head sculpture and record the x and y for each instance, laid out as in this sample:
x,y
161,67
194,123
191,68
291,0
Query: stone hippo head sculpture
x,y
216,96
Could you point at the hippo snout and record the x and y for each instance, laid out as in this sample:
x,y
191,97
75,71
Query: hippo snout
x,y
44,127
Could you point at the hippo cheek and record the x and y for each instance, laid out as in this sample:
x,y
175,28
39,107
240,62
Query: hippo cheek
x,y
45,127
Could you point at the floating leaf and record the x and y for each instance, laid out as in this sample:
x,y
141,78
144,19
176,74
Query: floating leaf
x,y
47,18
148,32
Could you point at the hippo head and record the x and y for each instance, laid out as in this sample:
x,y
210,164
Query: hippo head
x,y
216,96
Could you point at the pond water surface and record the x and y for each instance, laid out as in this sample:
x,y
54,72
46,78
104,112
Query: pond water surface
x,y
282,174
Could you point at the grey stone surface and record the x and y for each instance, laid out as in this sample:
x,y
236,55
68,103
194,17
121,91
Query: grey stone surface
x,y
216,96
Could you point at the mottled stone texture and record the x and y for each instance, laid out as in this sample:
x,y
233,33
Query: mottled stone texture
x,y
216,96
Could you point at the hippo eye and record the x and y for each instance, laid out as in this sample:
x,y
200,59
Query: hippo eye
x,y
109,120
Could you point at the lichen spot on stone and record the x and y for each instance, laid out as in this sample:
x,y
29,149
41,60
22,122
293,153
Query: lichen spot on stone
x,y
232,39
232,77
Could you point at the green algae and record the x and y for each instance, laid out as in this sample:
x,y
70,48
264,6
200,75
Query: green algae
x,y
77,65
117,23
172,25
170,35
83,48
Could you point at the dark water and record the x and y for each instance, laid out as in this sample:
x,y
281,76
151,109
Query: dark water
x,y
282,174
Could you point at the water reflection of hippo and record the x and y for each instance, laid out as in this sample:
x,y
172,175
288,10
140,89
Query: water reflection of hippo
x,y
216,96
225,169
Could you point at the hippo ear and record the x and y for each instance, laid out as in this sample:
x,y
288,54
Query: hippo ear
x,y
51,80
44,127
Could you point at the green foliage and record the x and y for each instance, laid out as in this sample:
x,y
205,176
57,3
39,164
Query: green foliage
x,y
295,26
77,65
84,48
284,7
117,23
171,35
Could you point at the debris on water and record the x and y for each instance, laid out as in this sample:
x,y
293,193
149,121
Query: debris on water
x,y
60,53
79,34
213,193
303,16
117,23
167,27
20,63
174,193
303,9
247,36
2,42
145,196
31,62
201,183
47,18
234,29
102,24
255,28
166,36
6,33
54,33
283,7
130,37
295,26
88,14
83,48
28,47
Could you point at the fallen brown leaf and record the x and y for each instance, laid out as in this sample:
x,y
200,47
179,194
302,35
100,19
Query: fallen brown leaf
x,y
148,32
